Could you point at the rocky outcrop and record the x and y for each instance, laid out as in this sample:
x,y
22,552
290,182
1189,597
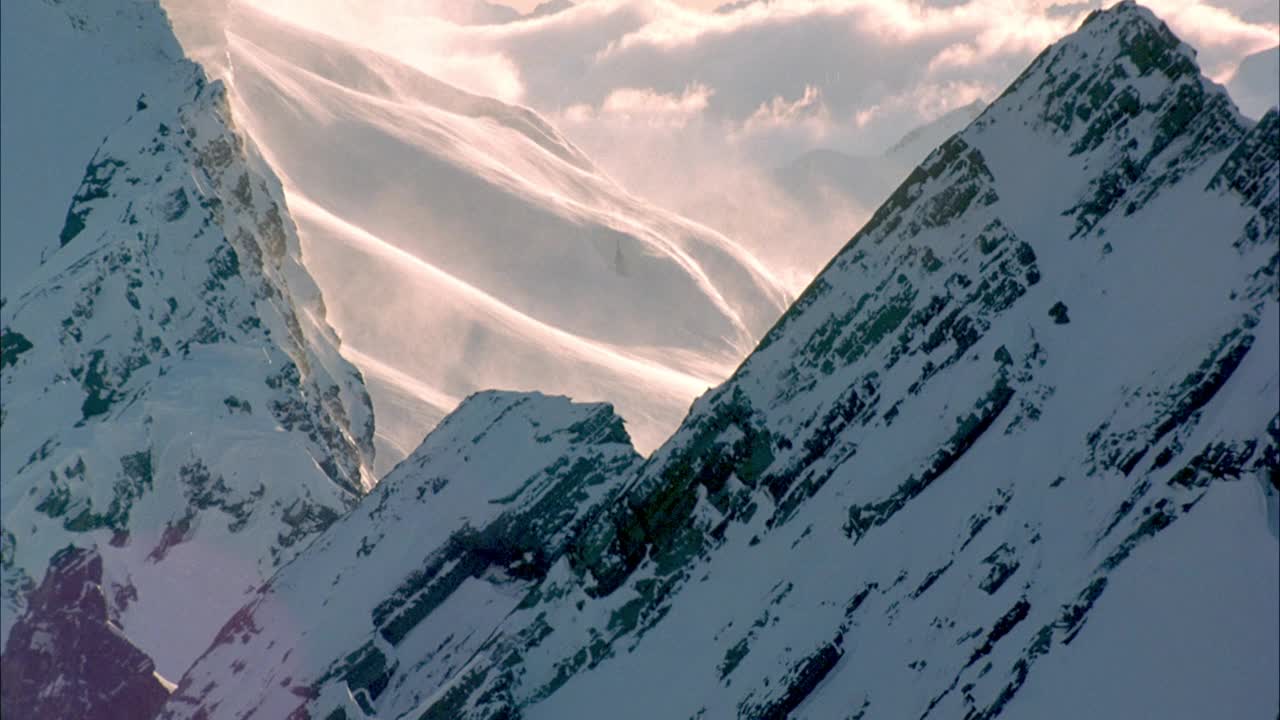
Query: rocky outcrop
x,y
66,659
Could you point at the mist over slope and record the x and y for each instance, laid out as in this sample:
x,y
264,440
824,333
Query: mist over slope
x,y
1015,452
694,110
462,243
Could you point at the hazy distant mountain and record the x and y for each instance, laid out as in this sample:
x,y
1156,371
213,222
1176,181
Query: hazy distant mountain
x,y
822,178
469,12
731,7
1015,452
916,145
1256,84
480,12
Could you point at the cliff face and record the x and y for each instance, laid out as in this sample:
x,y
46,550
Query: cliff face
x,y
65,659
172,396
1014,452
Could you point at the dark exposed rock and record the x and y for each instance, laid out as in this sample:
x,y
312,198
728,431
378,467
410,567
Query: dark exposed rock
x,y
65,659
1059,313
12,344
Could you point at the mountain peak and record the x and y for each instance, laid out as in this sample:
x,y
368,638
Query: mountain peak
x,y
1122,43
1144,38
1127,100
491,411
483,510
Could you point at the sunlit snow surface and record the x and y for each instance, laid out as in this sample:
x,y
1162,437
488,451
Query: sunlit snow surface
x,y
463,244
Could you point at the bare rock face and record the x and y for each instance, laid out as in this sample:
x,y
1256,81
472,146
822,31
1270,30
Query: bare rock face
x,y
65,658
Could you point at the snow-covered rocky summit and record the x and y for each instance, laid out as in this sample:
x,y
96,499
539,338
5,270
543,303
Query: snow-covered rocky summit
x,y
172,394
399,594
1014,452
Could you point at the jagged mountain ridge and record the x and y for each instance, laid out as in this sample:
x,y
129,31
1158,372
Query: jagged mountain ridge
x,y
172,396
993,455
447,545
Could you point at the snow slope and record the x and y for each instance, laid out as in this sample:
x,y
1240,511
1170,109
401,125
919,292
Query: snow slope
x,y
465,244
172,394
443,549
1013,453
67,79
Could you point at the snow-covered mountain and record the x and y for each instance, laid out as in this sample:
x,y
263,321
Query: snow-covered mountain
x,y
470,12
53,120
1014,452
481,12
445,547
173,399
462,243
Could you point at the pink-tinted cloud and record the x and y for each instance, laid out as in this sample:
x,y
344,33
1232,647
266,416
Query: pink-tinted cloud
x,y
656,108
680,103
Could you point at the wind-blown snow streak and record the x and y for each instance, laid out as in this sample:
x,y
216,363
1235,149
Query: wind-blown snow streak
x,y
512,320
464,243
410,403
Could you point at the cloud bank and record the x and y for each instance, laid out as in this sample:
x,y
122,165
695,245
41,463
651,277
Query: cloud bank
x,y
695,109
